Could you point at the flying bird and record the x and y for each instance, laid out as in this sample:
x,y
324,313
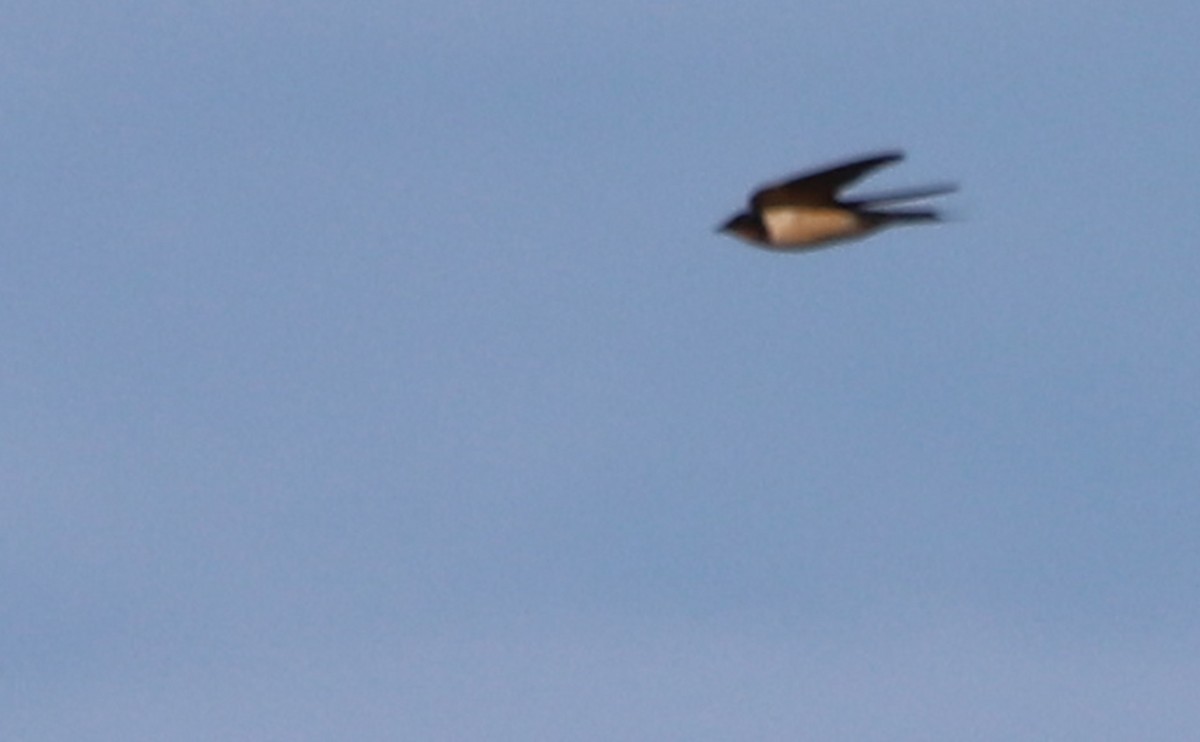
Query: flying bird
x,y
806,212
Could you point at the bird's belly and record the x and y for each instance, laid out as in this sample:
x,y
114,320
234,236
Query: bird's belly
x,y
791,227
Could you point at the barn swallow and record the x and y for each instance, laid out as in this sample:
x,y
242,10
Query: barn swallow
x,y
806,213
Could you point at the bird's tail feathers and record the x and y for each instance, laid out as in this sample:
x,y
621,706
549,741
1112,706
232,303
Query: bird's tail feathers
x,y
904,216
911,194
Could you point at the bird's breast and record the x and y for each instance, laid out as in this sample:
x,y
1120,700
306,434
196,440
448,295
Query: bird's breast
x,y
793,226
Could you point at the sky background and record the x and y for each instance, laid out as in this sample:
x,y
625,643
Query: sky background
x,y
372,371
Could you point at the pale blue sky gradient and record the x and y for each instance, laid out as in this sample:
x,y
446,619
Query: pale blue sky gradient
x,y
373,372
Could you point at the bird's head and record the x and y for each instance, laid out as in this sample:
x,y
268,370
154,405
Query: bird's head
x,y
747,225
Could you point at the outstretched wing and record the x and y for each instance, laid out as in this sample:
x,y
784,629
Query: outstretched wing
x,y
820,187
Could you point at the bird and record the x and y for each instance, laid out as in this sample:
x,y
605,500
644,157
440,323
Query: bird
x,y
806,212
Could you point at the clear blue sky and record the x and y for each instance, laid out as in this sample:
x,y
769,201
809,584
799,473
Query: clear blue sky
x,y
371,371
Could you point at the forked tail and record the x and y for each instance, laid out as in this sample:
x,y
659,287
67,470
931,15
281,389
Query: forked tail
x,y
911,194
882,217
